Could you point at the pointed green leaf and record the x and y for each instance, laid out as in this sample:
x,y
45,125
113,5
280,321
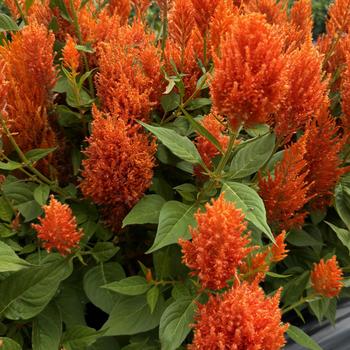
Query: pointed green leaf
x,y
7,24
301,338
134,285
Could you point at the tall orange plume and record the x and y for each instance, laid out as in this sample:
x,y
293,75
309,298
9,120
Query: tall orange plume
x,y
285,193
275,12
203,12
338,17
249,79
30,75
122,8
306,95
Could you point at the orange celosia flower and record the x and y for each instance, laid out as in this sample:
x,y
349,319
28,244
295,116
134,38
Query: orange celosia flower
x,y
326,278
275,12
71,56
306,95
218,245
222,20
130,81
58,229
141,7
249,79
203,12
181,23
40,12
339,17
255,268
205,148
11,4
323,146
122,8
345,95
241,318
286,192
30,76
278,250
119,164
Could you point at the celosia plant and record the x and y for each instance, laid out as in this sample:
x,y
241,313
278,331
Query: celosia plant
x,y
174,174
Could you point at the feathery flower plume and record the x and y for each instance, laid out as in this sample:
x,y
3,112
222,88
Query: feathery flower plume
x,y
345,95
278,250
205,148
255,267
58,229
203,12
338,18
326,278
275,12
71,56
221,21
286,192
122,8
249,79
306,95
218,245
119,162
30,75
181,23
323,145
241,318
11,5
129,82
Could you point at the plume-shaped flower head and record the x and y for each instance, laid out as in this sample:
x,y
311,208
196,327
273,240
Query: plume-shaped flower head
x,y
219,244
119,162
326,278
249,79
241,318
58,229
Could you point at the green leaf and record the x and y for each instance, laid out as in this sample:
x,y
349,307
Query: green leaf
x,y
85,48
342,234
9,261
174,219
36,154
251,204
41,194
152,298
146,211
7,24
9,344
18,191
300,238
175,322
251,157
10,165
181,146
131,315
198,103
29,210
6,212
294,289
26,293
103,251
341,203
134,285
78,337
301,338
97,277
47,329
170,102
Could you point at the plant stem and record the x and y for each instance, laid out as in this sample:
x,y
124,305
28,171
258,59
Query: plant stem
x,y
165,28
301,301
19,8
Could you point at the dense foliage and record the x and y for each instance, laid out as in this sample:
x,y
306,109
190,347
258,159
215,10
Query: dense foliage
x,y
174,174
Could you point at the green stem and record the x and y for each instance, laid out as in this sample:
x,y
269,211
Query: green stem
x,y
19,8
300,302
165,28
81,42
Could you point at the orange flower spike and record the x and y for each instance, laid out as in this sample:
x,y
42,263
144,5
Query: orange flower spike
x,y
119,162
181,23
58,229
278,250
203,12
326,278
339,17
205,148
345,94
249,80
122,8
325,166
256,267
301,21
241,318
71,56
306,95
286,193
218,245
275,12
